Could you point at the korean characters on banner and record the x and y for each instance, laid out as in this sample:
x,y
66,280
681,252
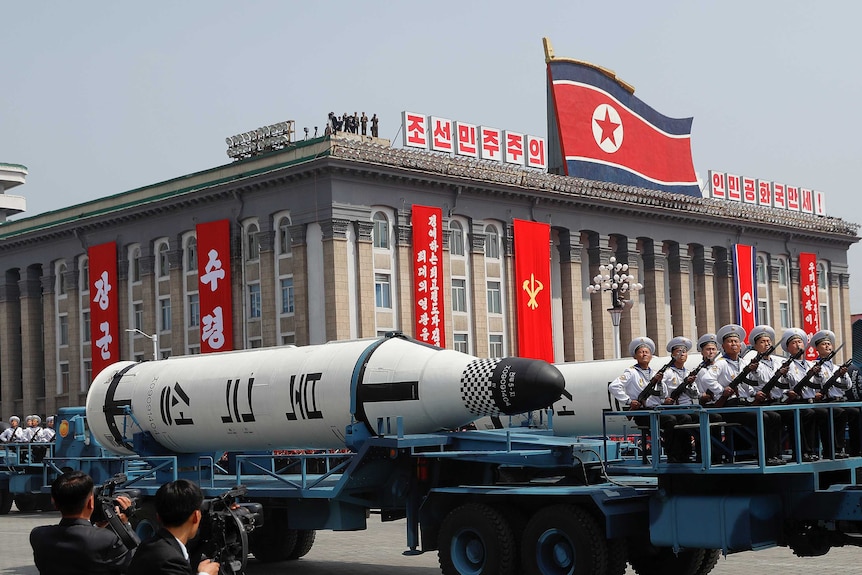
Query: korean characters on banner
x,y
444,135
428,274
723,186
808,298
104,307
214,286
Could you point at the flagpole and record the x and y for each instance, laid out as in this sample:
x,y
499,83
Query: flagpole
x,y
615,278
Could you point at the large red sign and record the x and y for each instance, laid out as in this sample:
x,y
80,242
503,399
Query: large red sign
x,y
808,298
744,261
214,286
428,274
104,307
533,289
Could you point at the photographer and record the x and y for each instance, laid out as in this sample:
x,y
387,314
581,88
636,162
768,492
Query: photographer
x,y
178,506
75,546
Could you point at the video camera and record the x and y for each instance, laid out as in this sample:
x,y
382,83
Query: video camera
x,y
225,525
107,504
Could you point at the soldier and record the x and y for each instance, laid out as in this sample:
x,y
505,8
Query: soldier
x,y
793,341
374,122
629,386
364,122
824,342
677,374
14,434
708,386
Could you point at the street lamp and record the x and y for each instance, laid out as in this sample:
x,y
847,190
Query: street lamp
x,y
615,278
154,338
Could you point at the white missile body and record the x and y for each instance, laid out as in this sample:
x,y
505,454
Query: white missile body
x,y
306,397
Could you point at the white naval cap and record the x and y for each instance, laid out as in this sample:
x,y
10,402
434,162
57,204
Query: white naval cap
x,y
15,418
36,418
761,330
793,333
705,339
821,335
641,341
730,330
679,341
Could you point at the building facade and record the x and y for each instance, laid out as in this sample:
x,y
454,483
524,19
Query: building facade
x,y
321,249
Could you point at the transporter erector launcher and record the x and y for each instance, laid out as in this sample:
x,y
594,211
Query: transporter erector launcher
x,y
316,396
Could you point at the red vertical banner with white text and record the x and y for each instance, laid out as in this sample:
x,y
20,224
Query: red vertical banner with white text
x,y
533,289
105,306
744,261
428,274
214,286
808,298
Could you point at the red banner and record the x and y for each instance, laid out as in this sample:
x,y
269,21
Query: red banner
x,y
744,261
808,298
533,289
428,274
104,307
214,286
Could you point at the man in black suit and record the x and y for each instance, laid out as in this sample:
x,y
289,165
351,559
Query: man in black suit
x,y
178,506
76,546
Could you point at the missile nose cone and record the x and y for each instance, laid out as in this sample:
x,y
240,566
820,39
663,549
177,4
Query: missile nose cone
x,y
535,384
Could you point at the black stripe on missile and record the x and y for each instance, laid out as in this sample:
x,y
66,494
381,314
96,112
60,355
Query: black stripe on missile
x,y
392,391
115,407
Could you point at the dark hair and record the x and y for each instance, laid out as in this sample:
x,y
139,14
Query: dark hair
x,y
176,501
71,491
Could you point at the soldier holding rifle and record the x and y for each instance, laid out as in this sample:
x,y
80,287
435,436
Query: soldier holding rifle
x,y
834,382
793,341
640,386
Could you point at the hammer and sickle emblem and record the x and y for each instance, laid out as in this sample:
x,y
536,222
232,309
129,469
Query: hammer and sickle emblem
x,y
532,286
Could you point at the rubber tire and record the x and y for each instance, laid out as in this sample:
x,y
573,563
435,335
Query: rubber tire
x,y
304,543
5,501
617,557
664,561
273,541
476,539
25,502
710,560
517,523
564,539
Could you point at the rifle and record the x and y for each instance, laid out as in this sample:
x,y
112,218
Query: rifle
x,y
689,379
833,379
743,375
656,379
776,377
806,381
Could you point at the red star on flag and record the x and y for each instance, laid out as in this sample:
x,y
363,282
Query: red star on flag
x,y
608,127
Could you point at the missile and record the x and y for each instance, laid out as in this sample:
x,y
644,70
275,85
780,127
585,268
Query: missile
x,y
307,397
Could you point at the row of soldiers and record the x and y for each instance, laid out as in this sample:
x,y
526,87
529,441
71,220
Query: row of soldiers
x,y
725,378
32,432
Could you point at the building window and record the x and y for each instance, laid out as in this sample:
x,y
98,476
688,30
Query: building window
x,y
285,247
456,238
85,275
254,300
461,342
761,271
85,326
782,273
288,339
382,291
194,350
824,316
784,312
492,243
380,231
164,260
252,242
64,378
165,314
763,311
138,315
821,277
64,329
255,343
287,295
495,302
194,307
61,280
191,255
88,375
135,266
459,295
495,346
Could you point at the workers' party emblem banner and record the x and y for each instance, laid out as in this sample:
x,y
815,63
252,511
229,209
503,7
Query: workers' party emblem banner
x,y
428,274
744,261
214,286
533,289
104,306
607,134
808,298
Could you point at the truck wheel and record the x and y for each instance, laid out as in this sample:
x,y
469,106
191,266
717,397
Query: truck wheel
x,y
476,540
5,501
273,541
663,561
304,543
564,539
710,559
25,502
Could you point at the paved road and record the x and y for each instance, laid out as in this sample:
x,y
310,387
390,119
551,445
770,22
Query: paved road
x,y
377,551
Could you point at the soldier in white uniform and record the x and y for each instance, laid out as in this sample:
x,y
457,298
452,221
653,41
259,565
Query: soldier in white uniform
x,y
794,340
14,434
824,342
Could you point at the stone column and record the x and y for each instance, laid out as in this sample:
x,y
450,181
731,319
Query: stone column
x,y
299,249
77,395
774,296
51,344
33,359
679,281
403,274
571,294
336,294
148,297
365,278
725,297
508,287
655,267
843,319
176,343
268,296
603,333
478,291
630,323
704,284
124,297
11,389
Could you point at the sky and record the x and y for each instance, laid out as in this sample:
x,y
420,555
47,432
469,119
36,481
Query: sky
x,y
101,97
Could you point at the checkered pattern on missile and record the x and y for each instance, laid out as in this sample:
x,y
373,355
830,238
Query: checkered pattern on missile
x,y
476,387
